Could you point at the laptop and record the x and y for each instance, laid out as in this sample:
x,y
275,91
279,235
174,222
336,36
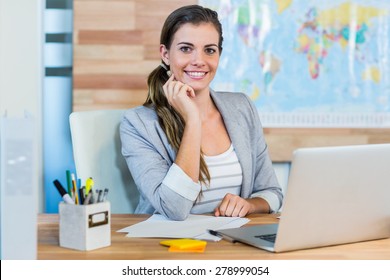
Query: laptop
x,y
335,195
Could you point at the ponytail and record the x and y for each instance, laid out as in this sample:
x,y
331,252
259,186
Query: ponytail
x,y
170,120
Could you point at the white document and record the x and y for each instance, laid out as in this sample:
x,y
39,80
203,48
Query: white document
x,y
195,226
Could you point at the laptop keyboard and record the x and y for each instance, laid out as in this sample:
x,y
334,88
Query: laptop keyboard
x,y
267,237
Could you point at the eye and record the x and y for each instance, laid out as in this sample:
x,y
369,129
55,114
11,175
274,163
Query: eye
x,y
210,51
185,49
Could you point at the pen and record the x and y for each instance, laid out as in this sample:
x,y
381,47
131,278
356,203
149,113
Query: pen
x,y
81,195
216,233
88,198
100,196
95,196
105,194
65,196
75,194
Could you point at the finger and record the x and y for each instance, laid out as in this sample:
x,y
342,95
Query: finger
x,y
187,90
172,90
230,208
177,88
216,212
222,207
190,91
234,206
167,83
244,211
237,209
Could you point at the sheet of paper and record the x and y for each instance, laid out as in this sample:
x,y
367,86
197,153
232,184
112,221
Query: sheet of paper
x,y
195,226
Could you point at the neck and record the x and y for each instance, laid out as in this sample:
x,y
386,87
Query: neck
x,y
205,104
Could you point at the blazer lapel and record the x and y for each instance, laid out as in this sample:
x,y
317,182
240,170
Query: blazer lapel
x,y
238,137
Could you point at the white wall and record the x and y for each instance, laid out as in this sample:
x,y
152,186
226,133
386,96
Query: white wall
x,y
21,67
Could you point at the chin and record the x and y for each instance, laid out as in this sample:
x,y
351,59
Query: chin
x,y
198,85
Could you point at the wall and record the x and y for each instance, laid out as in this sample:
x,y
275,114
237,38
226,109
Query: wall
x,y
115,48
57,98
116,45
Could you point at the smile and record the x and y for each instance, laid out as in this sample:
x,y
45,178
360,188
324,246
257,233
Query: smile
x,y
196,74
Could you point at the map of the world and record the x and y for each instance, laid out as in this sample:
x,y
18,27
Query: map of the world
x,y
308,62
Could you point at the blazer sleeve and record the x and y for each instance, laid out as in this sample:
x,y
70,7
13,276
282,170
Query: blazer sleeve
x,y
161,183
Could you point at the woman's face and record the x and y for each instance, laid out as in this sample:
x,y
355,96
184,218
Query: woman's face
x,y
194,55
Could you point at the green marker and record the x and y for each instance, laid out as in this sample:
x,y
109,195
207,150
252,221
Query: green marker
x,y
69,182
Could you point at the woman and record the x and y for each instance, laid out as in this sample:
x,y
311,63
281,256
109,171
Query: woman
x,y
190,149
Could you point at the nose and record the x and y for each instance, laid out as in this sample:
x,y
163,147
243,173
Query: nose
x,y
198,58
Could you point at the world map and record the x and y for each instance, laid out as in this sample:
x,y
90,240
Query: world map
x,y
304,63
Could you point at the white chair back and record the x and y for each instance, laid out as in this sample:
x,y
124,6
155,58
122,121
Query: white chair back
x,y
97,154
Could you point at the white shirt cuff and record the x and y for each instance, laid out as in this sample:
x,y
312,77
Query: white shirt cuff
x,y
178,181
271,198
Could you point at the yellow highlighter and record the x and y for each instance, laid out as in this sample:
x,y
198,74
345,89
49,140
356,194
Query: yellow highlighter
x,y
74,189
88,185
185,245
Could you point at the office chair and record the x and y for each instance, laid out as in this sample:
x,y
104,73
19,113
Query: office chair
x,y
97,154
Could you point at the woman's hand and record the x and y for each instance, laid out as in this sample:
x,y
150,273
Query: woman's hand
x,y
180,96
235,206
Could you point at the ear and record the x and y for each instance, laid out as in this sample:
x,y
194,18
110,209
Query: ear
x,y
164,54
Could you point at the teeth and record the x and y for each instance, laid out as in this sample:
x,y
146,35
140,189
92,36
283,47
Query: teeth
x,y
196,74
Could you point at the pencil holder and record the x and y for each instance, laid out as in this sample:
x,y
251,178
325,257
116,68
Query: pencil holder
x,y
85,227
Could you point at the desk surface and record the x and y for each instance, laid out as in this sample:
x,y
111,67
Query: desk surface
x,y
124,248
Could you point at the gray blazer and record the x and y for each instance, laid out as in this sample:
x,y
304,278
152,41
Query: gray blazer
x,y
165,188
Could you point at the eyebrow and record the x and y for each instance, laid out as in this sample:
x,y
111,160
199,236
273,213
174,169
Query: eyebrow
x,y
190,44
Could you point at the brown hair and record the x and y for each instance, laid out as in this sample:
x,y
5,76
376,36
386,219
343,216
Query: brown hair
x,y
170,120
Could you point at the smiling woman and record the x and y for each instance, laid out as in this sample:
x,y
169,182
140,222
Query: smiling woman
x,y
194,54
191,149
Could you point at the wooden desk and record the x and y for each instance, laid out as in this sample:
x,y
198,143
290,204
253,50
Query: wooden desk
x,y
124,248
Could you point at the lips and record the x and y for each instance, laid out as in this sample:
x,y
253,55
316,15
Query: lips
x,y
196,74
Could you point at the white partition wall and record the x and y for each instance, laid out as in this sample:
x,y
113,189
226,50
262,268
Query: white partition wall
x,y
18,188
21,74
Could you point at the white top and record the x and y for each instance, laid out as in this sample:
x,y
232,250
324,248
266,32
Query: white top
x,y
225,177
